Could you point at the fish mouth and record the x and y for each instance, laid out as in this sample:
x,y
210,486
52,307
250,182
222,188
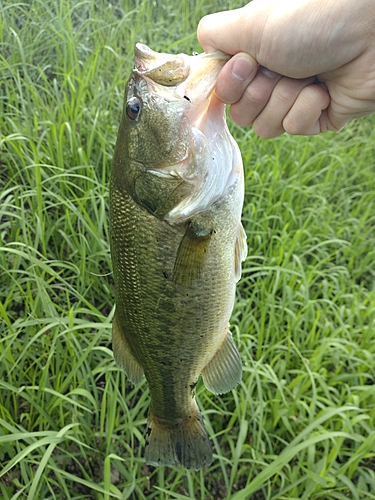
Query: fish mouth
x,y
193,77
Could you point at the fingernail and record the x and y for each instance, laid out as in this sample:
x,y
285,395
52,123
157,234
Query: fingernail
x,y
267,72
242,69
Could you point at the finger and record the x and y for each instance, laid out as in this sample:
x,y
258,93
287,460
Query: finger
x,y
255,97
346,105
269,123
235,76
325,122
305,114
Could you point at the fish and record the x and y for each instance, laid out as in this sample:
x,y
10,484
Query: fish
x,y
177,246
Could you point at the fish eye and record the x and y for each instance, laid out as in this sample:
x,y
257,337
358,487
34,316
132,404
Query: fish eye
x,y
133,108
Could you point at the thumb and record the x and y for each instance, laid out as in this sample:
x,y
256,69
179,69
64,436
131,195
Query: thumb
x,y
225,31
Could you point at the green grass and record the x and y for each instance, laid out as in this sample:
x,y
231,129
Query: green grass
x,y
302,423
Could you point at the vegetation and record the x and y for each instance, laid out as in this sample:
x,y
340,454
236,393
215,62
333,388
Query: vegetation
x,y
302,423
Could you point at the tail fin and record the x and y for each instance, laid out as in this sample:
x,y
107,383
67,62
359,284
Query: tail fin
x,y
178,442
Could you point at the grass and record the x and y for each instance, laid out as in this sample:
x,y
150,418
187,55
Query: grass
x,y
302,423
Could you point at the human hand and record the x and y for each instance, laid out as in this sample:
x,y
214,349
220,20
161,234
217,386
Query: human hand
x,y
320,60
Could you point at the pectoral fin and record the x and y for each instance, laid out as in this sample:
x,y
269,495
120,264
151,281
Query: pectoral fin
x,y
224,371
192,254
122,354
240,252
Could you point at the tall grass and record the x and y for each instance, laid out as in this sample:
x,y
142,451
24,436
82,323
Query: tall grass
x,y
302,423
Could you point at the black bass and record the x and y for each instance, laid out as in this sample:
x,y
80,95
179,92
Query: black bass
x,y
177,244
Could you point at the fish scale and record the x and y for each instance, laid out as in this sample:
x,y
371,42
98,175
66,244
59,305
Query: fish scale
x,y
175,269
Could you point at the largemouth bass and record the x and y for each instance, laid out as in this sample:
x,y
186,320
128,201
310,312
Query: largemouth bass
x,y
177,244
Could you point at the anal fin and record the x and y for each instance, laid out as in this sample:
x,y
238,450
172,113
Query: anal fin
x,y
224,371
123,355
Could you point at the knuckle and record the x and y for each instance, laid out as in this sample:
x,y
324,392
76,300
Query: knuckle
x,y
226,90
303,121
241,115
263,130
294,127
287,90
201,29
284,91
255,96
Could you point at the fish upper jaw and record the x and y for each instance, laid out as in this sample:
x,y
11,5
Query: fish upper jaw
x,y
165,69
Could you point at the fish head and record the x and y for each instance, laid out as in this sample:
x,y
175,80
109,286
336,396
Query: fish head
x,y
153,117
173,124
